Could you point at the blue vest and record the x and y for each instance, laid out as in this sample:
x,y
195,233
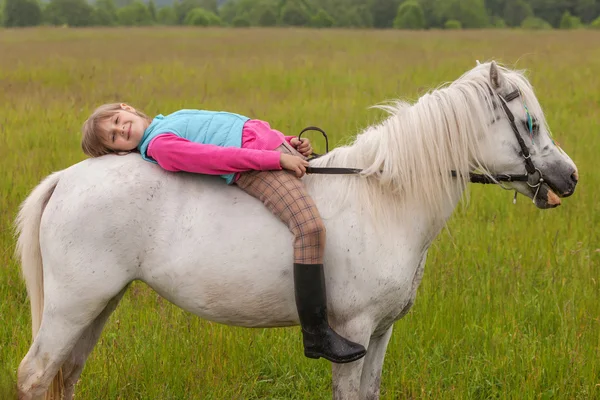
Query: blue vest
x,y
205,127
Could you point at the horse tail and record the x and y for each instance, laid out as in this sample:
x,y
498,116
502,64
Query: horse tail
x,y
28,251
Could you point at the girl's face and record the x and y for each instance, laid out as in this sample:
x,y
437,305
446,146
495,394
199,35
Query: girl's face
x,y
124,130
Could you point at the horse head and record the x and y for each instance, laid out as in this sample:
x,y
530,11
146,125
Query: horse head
x,y
518,140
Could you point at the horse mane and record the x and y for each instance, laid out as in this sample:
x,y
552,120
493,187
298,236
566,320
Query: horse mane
x,y
407,158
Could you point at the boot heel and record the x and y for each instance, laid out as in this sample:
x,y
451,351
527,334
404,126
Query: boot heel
x,y
312,355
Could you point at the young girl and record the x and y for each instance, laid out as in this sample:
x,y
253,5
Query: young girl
x,y
260,160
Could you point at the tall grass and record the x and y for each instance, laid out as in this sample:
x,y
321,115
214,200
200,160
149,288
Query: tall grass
x,y
509,307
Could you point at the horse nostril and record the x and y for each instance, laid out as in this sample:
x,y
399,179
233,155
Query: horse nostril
x,y
575,177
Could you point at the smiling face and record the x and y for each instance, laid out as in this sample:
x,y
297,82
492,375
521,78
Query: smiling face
x,y
123,130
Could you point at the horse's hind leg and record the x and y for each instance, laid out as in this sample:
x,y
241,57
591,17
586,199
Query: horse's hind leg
x,y
74,364
65,318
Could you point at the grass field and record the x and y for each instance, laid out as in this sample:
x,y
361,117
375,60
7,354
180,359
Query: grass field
x,y
509,307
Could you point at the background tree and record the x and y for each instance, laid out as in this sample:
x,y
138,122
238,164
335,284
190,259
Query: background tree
x,y
586,10
105,13
549,10
409,16
497,22
383,12
69,12
515,11
595,24
241,22
366,18
294,13
569,21
452,24
535,23
354,17
201,17
166,16
266,16
263,12
152,10
254,12
345,13
322,20
317,13
495,7
185,6
228,11
432,18
470,13
123,3
19,13
135,14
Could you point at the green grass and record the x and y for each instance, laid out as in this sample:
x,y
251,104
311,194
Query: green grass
x,y
509,307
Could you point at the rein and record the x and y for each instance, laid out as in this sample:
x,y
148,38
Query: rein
x,y
533,177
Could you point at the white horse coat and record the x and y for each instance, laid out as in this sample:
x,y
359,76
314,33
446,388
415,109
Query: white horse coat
x,y
216,252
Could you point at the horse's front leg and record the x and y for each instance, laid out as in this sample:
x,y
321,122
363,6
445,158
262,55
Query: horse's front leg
x,y
346,377
370,381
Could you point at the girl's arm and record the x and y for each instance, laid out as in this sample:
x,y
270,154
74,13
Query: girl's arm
x,y
174,153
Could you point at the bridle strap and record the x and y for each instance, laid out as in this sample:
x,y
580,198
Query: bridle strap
x,y
529,167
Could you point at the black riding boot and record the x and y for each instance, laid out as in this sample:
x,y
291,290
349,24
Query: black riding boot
x,y
319,339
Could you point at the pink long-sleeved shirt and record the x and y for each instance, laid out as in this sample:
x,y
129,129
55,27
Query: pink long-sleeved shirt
x,y
259,142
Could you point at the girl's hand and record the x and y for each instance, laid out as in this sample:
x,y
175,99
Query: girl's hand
x,y
293,163
302,145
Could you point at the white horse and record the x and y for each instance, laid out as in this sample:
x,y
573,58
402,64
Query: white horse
x,y
219,253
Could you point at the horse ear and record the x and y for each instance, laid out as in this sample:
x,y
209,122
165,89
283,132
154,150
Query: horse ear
x,y
496,78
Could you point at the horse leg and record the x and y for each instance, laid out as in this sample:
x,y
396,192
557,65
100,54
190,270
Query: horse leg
x,y
346,377
65,318
74,364
373,365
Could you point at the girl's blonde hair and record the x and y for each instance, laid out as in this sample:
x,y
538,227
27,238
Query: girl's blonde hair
x,y
91,140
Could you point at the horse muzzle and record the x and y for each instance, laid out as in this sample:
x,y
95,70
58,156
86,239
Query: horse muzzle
x,y
574,178
553,188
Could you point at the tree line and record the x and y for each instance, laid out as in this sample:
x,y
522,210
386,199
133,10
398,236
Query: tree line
x,y
381,14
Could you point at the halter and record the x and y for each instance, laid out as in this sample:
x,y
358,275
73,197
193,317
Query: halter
x,y
533,177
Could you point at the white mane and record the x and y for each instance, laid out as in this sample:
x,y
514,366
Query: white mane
x,y
411,153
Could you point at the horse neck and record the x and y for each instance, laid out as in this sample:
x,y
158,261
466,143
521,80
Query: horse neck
x,y
408,158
